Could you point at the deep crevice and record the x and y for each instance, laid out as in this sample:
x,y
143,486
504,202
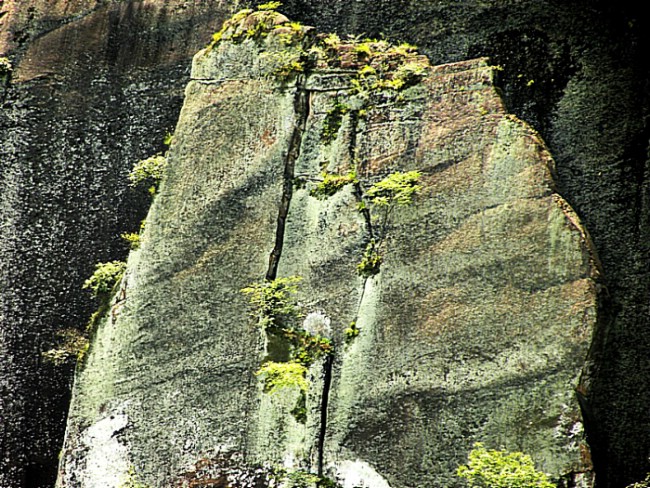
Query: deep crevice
x,y
301,110
327,383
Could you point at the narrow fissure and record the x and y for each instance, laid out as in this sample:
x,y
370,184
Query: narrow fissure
x,y
329,360
301,110
327,382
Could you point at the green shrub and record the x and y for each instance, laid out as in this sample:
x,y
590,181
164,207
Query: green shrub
x,y
307,347
269,6
396,189
371,260
132,480
277,376
332,183
272,303
5,66
501,469
149,171
285,63
133,238
105,277
351,332
333,121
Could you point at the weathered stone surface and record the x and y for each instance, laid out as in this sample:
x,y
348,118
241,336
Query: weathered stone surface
x,y
95,87
476,327
587,64
577,72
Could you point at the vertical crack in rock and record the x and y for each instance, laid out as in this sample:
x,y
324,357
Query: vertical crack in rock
x,y
301,111
327,382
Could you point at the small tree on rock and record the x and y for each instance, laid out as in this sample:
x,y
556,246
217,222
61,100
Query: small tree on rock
x,y
488,468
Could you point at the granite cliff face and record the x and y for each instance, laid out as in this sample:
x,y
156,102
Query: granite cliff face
x,y
576,71
474,327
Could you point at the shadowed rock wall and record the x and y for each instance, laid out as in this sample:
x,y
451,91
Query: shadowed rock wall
x,y
95,87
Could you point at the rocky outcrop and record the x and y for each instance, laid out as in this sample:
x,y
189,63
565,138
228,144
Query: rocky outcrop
x,y
465,316
576,71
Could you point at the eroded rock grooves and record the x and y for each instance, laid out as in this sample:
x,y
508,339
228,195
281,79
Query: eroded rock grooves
x,y
475,328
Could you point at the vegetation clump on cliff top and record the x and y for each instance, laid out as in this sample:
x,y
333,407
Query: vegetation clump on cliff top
x,y
251,24
375,64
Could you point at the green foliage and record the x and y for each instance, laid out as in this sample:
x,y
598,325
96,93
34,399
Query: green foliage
x,y
333,121
249,24
395,189
132,480
277,376
272,303
72,345
5,66
133,238
269,6
149,171
383,66
96,316
332,183
363,48
302,479
285,63
306,347
299,411
501,469
371,260
351,332
332,40
290,33
169,139
105,278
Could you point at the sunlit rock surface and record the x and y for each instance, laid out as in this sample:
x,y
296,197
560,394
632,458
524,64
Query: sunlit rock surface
x,y
476,327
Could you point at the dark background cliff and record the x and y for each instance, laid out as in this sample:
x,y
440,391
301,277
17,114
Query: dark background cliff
x,y
97,84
